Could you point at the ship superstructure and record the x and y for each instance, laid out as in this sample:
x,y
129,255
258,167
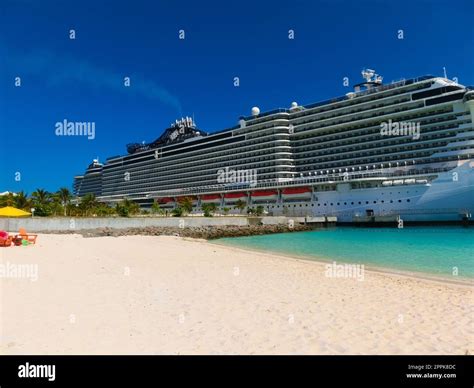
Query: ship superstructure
x,y
402,149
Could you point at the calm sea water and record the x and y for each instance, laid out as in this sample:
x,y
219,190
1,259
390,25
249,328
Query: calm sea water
x,y
430,250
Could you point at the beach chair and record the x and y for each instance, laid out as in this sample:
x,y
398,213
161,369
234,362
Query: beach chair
x,y
5,239
31,238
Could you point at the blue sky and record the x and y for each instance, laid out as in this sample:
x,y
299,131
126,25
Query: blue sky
x,y
82,79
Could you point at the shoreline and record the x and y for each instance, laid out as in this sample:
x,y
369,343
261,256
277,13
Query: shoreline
x,y
463,281
212,233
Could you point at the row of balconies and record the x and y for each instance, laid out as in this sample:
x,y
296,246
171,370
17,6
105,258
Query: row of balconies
x,y
380,155
264,173
358,134
380,146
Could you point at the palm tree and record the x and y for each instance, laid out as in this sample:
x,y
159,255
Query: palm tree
x,y
40,197
186,204
22,201
259,210
88,202
56,204
41,202
104,210
7,200
209,209
133,207
65,197
240,205
177,211
156,209
127,207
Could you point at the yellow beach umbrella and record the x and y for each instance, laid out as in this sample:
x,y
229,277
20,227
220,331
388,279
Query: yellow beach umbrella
x,y
10,211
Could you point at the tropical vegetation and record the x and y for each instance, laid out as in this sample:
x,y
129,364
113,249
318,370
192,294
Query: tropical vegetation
x,y
42,203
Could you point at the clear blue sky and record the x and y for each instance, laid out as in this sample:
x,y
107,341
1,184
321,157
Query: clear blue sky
x,y
82,79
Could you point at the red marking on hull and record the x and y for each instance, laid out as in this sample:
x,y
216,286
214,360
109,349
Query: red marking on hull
x,y
210,196
296,190
264,193
235,195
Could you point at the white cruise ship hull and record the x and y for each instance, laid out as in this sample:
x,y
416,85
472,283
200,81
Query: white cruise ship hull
x,y
448,198
400,151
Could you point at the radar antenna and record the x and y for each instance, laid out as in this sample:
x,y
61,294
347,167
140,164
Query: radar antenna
x,y
367,74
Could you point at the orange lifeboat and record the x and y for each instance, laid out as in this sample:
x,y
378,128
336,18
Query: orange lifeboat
x,y
264,195
301,193
234,197
211,198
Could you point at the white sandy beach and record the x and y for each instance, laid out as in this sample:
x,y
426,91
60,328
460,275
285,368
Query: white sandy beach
x,y
168,295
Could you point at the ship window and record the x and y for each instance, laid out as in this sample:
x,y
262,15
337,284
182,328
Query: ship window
x,y
408,200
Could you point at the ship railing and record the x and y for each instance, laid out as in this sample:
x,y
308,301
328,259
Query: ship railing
x,y
401,212
331,178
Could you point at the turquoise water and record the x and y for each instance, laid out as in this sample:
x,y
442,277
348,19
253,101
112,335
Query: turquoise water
x,y
430,250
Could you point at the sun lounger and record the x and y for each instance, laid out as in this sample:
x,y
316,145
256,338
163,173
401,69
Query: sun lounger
x,y
31,238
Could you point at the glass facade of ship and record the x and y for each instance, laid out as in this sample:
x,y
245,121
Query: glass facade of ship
x,y
304,160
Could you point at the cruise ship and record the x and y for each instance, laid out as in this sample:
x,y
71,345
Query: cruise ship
x,y
397,151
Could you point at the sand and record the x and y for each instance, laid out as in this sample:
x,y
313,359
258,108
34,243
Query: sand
x,y
168,295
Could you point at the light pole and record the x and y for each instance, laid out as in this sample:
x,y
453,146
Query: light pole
x,y
32,212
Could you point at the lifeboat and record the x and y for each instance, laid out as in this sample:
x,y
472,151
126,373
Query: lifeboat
x,y
234,197
300,193
264,195
211,198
